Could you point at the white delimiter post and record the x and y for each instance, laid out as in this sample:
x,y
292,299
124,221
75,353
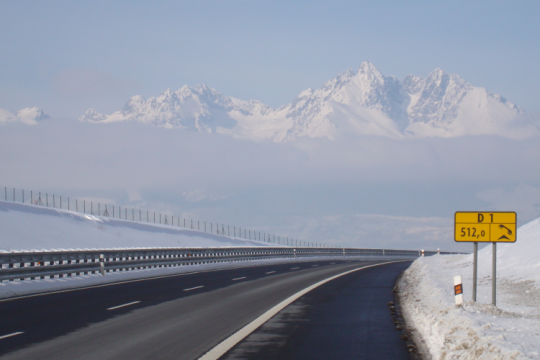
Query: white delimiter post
x,y
458,290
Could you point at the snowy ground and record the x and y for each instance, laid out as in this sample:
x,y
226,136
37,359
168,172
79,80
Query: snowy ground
x,y
30,227
477,330
35,228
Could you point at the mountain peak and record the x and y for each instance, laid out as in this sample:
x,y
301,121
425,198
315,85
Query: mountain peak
x,y
29,116
363,102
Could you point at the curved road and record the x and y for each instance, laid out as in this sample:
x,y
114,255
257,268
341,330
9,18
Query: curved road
x,y
174,317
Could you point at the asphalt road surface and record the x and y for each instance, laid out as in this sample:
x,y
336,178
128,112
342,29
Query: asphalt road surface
x,y
184,316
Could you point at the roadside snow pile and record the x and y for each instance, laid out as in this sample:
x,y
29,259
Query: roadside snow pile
x,y
511,330
29,227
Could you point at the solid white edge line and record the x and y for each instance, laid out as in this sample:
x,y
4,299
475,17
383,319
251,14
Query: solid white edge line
x,y
240,278
119,306
193,288
219,350
12,334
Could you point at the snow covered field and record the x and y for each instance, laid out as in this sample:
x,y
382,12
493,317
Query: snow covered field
x,y
478,330
29,227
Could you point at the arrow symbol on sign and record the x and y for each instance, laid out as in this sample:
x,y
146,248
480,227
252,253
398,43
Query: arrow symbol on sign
x,y
507,229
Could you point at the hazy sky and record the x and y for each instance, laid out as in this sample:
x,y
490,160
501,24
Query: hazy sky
x,y
68,56
363,192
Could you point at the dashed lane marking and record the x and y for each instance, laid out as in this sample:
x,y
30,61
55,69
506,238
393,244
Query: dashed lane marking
x,y
12,334
193,288
119,306
240,278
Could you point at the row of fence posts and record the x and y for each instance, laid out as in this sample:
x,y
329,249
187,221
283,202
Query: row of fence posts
x,y
248,234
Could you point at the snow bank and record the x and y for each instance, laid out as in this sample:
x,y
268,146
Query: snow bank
x,y
30,227
477,330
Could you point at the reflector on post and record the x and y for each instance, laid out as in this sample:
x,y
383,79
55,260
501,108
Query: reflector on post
x,y
458,290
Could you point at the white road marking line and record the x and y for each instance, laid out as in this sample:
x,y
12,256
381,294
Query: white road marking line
x,y
295,268
119,306
193,288
235,338
12,334
114,283
122,282
239,278
270,272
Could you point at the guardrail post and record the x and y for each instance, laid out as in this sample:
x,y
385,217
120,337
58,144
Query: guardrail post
x,y
102,264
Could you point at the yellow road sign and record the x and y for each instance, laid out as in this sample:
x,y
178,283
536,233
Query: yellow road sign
x,y
492,226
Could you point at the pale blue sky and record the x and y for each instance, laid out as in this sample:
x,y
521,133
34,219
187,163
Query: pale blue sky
x,y
68,56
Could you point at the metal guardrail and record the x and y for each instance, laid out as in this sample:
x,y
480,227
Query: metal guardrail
x,y
51,264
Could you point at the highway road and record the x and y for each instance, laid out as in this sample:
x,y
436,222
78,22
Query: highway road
x,y
184,316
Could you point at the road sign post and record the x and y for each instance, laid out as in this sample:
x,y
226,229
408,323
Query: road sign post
x,y
475,270
491,227
494,275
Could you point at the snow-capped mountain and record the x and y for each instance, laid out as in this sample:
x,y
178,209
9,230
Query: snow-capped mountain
x,y
29,116
363,102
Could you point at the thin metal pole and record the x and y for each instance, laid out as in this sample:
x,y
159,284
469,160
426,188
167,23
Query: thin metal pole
x,y
475,271
13,194
494,276
23,196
